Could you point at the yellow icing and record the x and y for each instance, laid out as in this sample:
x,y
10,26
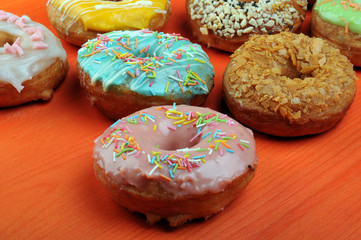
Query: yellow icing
x,y
108,15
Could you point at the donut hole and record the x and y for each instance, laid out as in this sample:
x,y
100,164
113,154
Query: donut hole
x,y
6,38
182,137
291,71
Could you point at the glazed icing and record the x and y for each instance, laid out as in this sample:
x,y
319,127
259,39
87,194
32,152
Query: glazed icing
x,y
34,49
187,149
341,13
106,16
151,63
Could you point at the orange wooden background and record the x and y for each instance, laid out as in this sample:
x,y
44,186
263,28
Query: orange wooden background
x,y
305,188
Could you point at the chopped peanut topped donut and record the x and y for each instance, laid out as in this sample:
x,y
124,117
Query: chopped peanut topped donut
x,y
234,21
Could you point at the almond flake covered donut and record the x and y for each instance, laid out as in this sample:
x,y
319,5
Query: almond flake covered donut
x,y
33,61
125,71
175,162
227,24
289,84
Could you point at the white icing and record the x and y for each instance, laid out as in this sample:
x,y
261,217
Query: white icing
x,y
16,69
138,4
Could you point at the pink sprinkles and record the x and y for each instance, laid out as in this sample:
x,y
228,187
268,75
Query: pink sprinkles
x,y
36,34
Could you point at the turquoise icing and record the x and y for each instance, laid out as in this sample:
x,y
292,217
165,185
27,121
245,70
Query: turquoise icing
x,y
157,64
334,12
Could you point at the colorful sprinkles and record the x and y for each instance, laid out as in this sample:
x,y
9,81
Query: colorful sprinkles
x,y
151,63
208,127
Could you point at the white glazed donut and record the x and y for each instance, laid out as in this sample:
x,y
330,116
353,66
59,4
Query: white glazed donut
x,y
33,61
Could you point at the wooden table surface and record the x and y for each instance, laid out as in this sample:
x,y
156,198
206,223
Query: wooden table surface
x,y
305,188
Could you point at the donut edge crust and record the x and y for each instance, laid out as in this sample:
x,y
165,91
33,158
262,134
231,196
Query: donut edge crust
x,y
120,101
41,86
274,124
158,204
350,43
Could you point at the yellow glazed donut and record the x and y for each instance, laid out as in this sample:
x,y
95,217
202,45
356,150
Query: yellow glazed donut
x,y
179,163
227,24
289,84
33,61
80,20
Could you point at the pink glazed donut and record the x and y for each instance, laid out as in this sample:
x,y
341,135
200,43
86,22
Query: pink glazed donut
x,y
175,162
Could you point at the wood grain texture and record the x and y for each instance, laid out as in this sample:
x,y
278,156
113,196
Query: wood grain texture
x,y
305,188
